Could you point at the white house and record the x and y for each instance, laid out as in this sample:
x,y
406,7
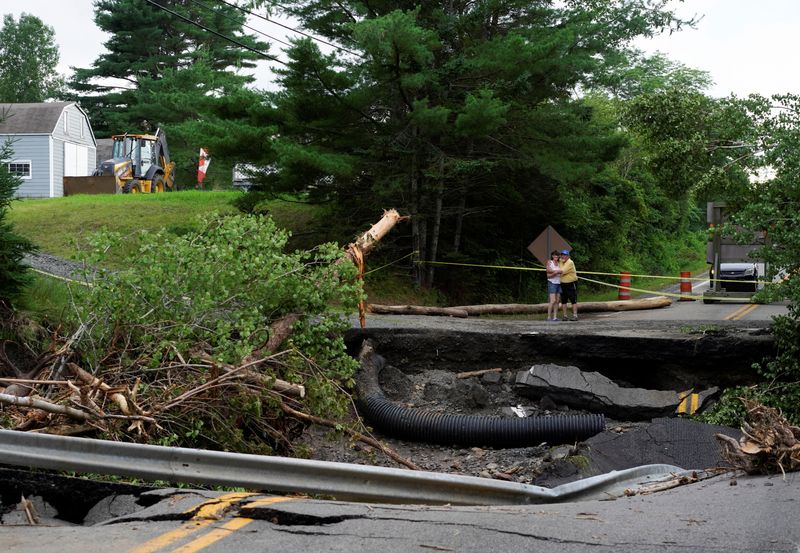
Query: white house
x,y
51,140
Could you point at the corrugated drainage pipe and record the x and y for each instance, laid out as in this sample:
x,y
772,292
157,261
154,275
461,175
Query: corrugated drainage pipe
x,y
465,430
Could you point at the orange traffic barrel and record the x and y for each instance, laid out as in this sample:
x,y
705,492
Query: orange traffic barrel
x,y
624,286
686,286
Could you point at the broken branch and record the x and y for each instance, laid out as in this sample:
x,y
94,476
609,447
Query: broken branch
x,y
356,435
44,406
470,374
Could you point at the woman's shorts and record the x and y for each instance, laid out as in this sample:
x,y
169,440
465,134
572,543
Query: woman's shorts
x,y
569,293
553,288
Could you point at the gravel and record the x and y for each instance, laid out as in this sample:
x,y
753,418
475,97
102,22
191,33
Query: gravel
x,y
57,266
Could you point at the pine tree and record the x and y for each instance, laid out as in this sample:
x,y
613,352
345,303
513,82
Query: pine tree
x,y
12,246
463,114
149,45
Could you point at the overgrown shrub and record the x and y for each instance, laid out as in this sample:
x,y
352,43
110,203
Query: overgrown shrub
x,y
188,306
780,384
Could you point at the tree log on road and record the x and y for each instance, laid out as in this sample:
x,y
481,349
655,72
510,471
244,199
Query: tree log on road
x,y
656,302
418,310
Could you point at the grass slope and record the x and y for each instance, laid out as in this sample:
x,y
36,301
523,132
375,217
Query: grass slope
x,y
55,224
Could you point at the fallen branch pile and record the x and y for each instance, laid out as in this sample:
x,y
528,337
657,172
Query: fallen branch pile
x,y
218,340
769,443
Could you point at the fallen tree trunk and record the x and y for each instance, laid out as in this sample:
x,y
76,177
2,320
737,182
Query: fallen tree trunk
x,y
366,242
417,310
656,302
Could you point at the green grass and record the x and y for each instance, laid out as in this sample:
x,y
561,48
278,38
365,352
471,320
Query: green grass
x,y
55,224
47,299
60,226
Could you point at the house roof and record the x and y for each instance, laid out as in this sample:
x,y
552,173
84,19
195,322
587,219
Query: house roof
x,y
38,118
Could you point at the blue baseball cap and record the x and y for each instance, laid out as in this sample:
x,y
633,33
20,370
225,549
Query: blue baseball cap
x,y
564,252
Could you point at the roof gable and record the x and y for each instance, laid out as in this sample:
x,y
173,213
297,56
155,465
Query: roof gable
x,y
39,118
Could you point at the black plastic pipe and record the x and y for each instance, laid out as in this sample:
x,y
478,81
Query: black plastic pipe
x,y
476,430
465,430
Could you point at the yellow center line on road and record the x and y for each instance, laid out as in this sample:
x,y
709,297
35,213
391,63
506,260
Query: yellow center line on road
x,y
741,312
226,529
208,513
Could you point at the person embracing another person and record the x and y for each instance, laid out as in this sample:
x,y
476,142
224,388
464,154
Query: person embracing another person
x,y
553,285
569,285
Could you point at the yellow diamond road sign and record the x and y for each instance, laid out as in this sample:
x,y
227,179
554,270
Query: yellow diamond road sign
x,y
546,242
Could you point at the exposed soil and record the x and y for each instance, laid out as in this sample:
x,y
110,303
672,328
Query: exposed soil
x,y
422,364
441,391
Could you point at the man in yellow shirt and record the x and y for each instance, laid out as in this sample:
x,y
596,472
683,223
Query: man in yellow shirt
x,y
569,285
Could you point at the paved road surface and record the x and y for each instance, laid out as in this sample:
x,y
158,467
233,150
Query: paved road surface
x,y
748,514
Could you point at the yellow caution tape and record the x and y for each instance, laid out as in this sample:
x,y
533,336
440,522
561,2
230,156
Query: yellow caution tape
x,y
483,266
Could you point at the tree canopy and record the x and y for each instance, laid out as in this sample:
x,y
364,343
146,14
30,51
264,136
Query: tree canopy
x,y
28,60
467,115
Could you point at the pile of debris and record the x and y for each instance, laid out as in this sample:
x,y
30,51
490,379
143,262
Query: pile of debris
x,y
769,444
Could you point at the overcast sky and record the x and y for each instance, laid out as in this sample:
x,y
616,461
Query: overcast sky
x,y
746,45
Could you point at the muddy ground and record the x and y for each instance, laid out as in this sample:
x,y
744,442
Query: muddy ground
x,y
423,363
441,391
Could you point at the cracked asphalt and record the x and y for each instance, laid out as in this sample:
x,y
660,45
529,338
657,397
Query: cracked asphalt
x,y
725,514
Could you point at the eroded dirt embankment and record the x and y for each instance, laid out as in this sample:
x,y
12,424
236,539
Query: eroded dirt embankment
x,y
424,354
659,355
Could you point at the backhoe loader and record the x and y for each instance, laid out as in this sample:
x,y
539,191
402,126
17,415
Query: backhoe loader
x,y
140,164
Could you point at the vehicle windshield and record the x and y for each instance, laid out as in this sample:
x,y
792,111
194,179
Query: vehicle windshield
x,y
123,147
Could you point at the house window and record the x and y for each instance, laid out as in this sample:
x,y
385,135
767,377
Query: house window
x,y
20,168
66,122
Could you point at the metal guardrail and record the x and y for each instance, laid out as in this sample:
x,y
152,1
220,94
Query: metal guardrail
x,y
280,474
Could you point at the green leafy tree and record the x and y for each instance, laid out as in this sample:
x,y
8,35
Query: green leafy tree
x,y
160,70
745,151
464,115
28,58
12,246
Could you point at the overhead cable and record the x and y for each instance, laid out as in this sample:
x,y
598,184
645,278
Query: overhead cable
x,y
288,28
229,18
220,35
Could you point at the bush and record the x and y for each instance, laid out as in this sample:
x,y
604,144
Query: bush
x,y
214,295
780,384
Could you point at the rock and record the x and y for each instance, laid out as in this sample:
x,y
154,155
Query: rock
x,y
492,378
478,452
560,452
479,395
394,383
547,403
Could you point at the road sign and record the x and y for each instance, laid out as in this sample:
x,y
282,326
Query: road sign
x,y
546,242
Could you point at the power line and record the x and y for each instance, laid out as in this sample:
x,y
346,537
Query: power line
x,y
220,35
298,31
229,18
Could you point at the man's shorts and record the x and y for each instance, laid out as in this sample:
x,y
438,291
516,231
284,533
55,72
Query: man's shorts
x,y
553,288
569,292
